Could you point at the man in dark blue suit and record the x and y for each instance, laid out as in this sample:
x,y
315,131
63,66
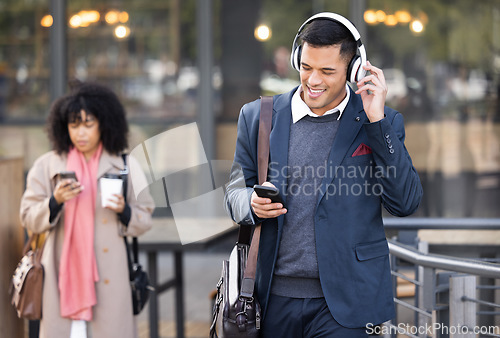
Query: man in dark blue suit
x,y
336,156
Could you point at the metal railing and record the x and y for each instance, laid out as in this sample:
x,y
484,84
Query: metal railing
x,y
421,223
469,266
453,297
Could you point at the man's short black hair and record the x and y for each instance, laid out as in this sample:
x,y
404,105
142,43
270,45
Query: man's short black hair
x,y
97,100
326,32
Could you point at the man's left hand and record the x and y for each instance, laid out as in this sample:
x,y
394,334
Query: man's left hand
x,y
373,90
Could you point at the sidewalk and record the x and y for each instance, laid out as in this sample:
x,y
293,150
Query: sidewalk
x,y
201,274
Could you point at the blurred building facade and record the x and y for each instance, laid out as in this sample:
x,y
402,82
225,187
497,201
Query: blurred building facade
x,y
441,60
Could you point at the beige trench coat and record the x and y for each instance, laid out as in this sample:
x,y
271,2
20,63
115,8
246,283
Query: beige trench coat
x,y
112,316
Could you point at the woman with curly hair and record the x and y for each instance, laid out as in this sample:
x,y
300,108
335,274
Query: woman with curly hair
x,y
86,289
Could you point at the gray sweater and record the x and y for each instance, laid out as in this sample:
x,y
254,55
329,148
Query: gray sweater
x,y
296,274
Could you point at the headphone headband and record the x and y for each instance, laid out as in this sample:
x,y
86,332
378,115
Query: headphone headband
x,y
335,17
355,72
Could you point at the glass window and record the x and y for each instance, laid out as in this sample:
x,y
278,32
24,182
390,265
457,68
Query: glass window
x,y
441,63
134,48
144,50
24,90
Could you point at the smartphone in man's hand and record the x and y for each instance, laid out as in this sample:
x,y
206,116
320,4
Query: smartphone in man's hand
x,y
268,192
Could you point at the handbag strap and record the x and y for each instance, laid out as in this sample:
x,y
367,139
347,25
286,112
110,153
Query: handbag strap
x,y
135,243
27,245
265,123
38,251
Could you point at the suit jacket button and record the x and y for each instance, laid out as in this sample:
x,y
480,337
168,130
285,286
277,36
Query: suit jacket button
x,y
386,135
106,281
391,150
105,250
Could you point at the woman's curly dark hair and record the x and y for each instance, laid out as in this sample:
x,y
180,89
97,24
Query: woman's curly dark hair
x,y
95,99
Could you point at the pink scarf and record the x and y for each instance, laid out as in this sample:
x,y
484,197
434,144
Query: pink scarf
x,y
78,268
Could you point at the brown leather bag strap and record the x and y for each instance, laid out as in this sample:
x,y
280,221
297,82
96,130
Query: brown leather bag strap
x,y
265,123
38,249
27,246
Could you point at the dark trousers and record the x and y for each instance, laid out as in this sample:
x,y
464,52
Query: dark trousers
x,y
303,317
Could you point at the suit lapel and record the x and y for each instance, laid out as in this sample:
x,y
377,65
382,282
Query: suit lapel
x,y
351,122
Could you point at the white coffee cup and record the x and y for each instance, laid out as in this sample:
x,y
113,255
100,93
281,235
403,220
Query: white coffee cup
x,y
110,187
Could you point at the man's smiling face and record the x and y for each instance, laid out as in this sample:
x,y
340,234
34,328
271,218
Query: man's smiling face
x,y
323,77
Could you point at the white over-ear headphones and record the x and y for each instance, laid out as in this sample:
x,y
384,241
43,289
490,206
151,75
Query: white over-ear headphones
x,y
355,71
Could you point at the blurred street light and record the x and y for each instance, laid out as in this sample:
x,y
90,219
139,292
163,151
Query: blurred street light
x,y
262,33
402,17
111,17
75,21
122,32
123,17
47,21
84,19
416,26
380,15
391,20
370,17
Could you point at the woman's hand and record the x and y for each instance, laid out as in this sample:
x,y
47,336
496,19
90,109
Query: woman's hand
x,y
264,207
66,190
117,203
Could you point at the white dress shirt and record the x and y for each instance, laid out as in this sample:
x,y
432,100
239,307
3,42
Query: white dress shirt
x,y
300,108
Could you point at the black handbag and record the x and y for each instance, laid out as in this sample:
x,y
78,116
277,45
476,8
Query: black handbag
x,y
139,280
236,311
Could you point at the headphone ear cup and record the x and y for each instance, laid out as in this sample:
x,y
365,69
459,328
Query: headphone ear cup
x,y
295,57
353,69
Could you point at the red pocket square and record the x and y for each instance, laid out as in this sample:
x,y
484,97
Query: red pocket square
x,y
363,149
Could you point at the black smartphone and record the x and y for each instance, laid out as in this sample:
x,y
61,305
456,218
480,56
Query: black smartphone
x,y
66,175
268,192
